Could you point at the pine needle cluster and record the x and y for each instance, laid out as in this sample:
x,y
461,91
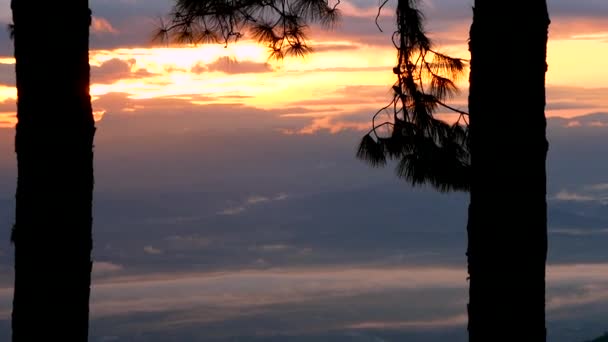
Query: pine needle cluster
x,y
427,149
282,25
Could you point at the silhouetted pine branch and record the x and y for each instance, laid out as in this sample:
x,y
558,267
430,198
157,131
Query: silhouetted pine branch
x,y
279,24
428,150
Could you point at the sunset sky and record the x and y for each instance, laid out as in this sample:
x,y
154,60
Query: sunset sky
x,y
228,202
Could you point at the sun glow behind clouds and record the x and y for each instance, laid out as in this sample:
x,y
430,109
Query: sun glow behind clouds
x,y
184,71
242,74
7,93
238,73
180,72
158,60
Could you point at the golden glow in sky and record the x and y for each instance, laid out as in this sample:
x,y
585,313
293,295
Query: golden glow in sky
x,y
579,62
241,73
244,70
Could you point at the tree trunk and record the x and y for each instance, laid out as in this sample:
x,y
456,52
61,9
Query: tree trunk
x,y
54,146
507,227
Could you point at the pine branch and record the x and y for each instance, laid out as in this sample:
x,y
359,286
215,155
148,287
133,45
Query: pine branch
x,y
428,150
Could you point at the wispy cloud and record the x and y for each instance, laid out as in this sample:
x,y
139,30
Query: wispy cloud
x,y
274,248
573,123
252,201
585,193
281,248
105,267
101,25
152,250
280,197
232,211
457,320
256,199
254,288
229,295
329,124
116,69
597,124
578,232
597,187
232,66
565,195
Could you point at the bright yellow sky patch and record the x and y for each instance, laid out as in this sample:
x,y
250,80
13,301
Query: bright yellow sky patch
x,y
7,93
581,63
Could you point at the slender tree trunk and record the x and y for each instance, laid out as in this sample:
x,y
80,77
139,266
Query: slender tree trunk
x,y
507,226
54,143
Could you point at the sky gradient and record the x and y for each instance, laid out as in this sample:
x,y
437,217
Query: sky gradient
x,y
228,202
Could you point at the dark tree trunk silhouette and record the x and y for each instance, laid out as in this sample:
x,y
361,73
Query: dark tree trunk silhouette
x,y
507,226
54,146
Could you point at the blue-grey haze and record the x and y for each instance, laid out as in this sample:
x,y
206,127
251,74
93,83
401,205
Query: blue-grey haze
x,y
243,211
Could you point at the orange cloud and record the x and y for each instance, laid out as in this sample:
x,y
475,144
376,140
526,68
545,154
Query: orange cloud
x,y
8,119
115,70
100,25
456,320
330,124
